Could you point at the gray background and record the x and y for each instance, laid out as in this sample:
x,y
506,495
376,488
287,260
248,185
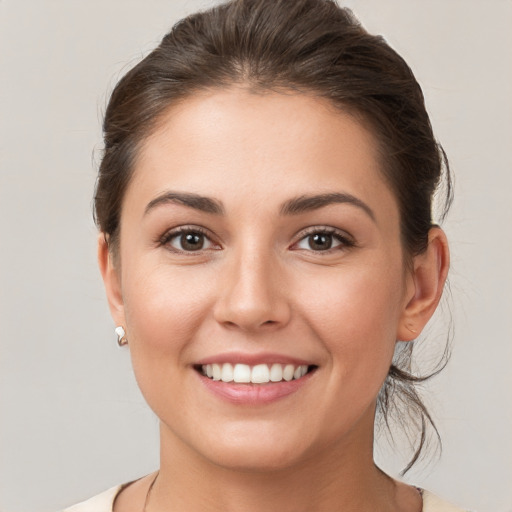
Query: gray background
x,y
72,421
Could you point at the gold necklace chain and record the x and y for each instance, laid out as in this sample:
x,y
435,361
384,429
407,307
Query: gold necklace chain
x,y
146,501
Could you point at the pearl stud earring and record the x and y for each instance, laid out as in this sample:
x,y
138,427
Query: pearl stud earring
x,y
121,336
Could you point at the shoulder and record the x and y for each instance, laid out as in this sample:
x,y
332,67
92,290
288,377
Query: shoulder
x,y
432,503
101,503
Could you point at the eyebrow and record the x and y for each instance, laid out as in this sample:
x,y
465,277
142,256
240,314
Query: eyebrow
x,y
195,201
295,206
307,203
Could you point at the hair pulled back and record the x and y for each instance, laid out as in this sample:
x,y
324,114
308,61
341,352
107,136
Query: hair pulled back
x,y
312,46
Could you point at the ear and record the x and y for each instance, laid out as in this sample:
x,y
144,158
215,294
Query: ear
x,y
425,285
111,280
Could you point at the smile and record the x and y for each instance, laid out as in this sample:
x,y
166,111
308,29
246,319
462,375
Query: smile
x,y
257,374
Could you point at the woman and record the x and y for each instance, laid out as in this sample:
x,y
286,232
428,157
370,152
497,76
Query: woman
x,y
264,205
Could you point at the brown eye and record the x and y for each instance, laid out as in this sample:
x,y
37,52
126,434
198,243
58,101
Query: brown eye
x,y
189,241
324,240
320,241
192,241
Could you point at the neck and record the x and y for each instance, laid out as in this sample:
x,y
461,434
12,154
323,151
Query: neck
x,y
344,478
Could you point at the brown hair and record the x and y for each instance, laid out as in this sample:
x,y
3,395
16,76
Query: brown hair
x,y
312,46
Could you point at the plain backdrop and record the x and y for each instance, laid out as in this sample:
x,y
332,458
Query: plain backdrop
x,y
72,421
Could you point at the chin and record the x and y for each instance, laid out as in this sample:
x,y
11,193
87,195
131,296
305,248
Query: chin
x,y
254,450
255,460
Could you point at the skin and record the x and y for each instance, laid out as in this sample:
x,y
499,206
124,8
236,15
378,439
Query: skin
x,y
257,286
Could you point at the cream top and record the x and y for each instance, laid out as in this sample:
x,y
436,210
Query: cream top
x,y
104,503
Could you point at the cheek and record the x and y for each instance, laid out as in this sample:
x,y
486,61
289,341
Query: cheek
x,y
355,314
164,307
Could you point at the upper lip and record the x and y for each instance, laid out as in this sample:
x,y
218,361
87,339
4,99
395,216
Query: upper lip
x,y
252,359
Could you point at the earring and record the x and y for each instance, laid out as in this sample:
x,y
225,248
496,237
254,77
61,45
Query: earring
x,y
412,330
121,336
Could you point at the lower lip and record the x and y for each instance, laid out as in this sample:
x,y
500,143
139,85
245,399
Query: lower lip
x,y
254,394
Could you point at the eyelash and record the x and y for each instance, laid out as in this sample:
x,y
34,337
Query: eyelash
x,y
183,230
344,240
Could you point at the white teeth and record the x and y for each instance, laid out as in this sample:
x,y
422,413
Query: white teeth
x,y
300,371
258,374
242,373
276,373
227,373
288,371
216,371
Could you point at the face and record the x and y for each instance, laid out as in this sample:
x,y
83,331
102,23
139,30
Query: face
x,y
258,242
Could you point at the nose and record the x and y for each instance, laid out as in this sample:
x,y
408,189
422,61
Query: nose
x,y
253,294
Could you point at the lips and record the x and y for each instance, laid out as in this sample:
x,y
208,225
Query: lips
x,y
254,379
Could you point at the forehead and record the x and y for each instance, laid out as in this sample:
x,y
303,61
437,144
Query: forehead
x,y
233,143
